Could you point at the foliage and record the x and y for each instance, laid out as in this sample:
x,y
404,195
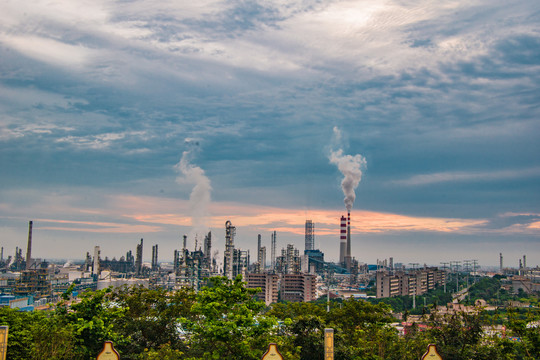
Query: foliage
x,y
457,335
151,317
292,310
19,333
37,335
225,322
405,303
92,321
164,352
52,339
361,329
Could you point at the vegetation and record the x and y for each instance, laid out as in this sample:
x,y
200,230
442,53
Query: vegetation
x,y
423,302
225,321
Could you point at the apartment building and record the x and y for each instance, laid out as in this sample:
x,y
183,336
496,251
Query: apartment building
x,y
413,282
298,287
268,283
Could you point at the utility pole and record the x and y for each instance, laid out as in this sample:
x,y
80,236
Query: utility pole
x,y
414,265
328,291
444,269
475,266
467,268
456,269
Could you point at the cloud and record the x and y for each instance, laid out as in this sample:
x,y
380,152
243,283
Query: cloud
x,y
49,50
96,227
435,178
514,223
99,96
102,141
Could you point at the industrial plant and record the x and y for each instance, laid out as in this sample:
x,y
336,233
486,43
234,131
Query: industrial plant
x,y
290,274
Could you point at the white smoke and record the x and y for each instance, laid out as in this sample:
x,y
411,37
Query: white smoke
x,y
199,199
351,168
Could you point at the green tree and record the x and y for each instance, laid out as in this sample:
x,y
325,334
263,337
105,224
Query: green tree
x,y
457,335
51,338
37,335
361,330
20,331
227,323
522,326
150,319
292,310
308,337
92,321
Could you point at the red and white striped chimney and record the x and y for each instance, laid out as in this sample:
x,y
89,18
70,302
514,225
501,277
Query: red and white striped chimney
x,y
343,240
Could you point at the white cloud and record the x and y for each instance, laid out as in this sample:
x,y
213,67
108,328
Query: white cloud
x,y
442,177
100,141
49,50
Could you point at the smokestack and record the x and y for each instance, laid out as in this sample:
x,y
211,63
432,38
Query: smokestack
x,y
155,257
139,258
501,261
273,251
208,248
348,253
95,267
29,248
343,240
349,234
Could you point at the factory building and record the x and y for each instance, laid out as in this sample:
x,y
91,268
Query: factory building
x,y
315,259
290,261
310,236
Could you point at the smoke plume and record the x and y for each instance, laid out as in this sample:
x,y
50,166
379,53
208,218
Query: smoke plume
x,y
199,199
351,168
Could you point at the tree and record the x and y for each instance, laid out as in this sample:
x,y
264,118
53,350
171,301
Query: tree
x,y
92,321
308,337
150,319
457,335
51,338
227,323
20,331
361,330
292,310
37,335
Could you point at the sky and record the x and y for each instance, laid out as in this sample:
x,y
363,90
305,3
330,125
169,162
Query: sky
x,y
122,120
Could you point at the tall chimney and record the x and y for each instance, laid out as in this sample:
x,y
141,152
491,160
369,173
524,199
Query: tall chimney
x,y
348,257
343,240
95,267
29,248
349,234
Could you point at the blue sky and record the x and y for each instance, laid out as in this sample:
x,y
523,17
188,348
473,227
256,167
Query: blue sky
x,y
100,101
